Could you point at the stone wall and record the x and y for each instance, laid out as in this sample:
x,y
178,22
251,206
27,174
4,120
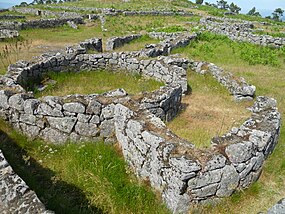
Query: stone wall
x,y
163,35
45,13
16,196
42,23
116,42
185,175
7,34
112,12
62,119
11,17
238,87
240,32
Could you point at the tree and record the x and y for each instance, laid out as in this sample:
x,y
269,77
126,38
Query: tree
x,y
24,4
234,8
223,4
253,12
199,1
277,14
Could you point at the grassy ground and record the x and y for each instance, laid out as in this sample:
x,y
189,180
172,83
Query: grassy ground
x,y
134,4
97,82
209,111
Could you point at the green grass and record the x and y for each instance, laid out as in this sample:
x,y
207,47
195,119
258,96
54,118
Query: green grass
x,y
211,47
97,82
78,178
134,4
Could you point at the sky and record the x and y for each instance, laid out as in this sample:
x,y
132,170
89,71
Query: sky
x,y
265,7
10,3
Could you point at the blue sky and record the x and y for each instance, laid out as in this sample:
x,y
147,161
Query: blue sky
x,y
266,7
9,3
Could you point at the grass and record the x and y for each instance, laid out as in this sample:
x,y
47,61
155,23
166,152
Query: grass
x,y
97,82
78,178
134,4
210,111
213,48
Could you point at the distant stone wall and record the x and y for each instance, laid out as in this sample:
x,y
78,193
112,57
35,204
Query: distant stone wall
x,y
116,42
11,17
114,12
240,32
16,196
163,35
166,46
7,34
185,175
42,23
45,13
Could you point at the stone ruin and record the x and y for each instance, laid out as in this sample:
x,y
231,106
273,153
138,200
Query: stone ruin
x,y
182,173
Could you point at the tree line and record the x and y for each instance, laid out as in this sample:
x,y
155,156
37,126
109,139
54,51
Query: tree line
x,y
222,4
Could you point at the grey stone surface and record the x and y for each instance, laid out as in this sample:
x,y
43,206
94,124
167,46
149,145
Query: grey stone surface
x,y
16,196
278,208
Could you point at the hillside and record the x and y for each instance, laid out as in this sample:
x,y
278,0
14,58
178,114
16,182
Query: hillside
x,y
136,106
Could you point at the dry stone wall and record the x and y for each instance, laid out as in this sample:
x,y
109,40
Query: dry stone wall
x,y
240,32
7,34
185,175
116,42
112,12
6,17
16,196
46,13
42,23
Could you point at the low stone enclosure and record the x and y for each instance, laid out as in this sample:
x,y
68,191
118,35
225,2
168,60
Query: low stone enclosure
x,y
181,173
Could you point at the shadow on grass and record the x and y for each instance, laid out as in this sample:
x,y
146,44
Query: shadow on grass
x,y
57,195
